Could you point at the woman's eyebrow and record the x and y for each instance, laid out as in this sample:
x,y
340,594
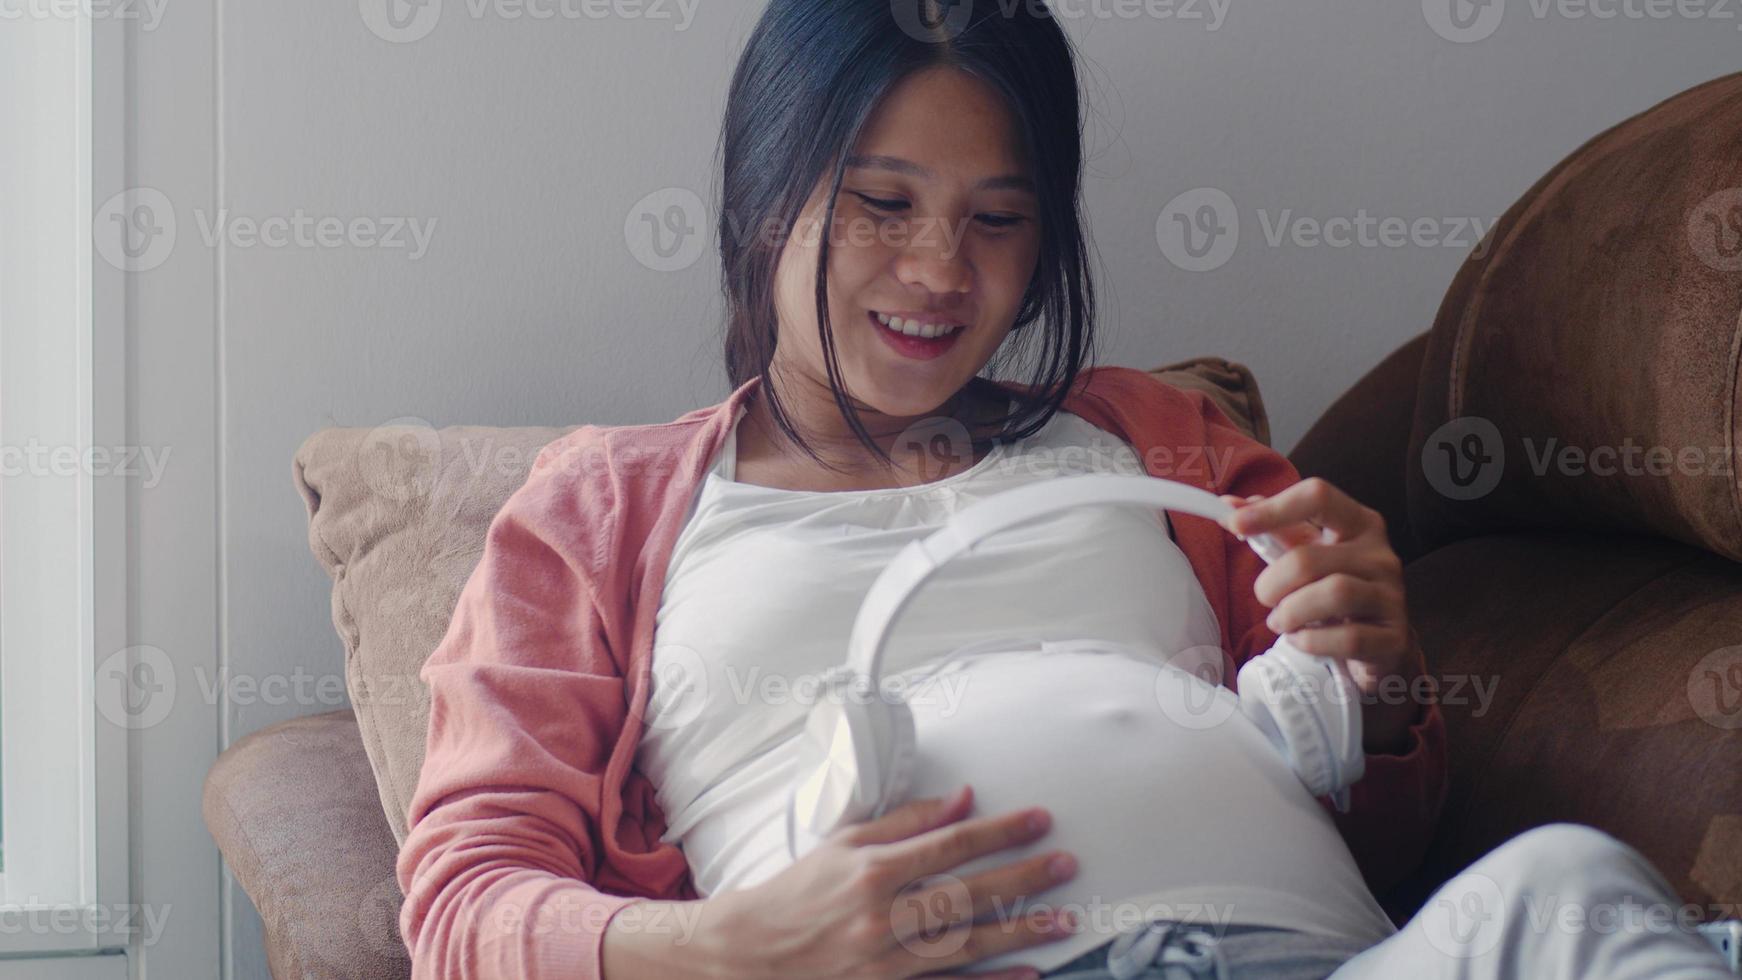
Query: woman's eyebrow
x,y
1013,182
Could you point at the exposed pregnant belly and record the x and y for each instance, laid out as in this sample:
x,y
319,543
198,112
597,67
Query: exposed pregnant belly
x,y
1172,801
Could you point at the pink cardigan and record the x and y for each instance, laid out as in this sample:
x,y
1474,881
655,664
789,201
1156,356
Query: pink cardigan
x,y
530,826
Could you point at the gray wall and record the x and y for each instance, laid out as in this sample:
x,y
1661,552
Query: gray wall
x,y
528,142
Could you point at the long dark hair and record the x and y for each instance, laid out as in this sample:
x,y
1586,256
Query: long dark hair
x,y
807,81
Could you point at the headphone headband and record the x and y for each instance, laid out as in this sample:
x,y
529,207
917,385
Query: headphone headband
x,y
910,568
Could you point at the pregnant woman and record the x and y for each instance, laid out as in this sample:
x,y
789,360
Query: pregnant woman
x,y
616,705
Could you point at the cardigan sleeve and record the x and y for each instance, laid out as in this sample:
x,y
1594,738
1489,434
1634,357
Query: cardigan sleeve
x,y
525,706
1396,805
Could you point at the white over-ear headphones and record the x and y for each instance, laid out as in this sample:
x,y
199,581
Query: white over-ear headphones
x,y
856,751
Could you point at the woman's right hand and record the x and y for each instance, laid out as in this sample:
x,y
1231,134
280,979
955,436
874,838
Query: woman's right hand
x,y
853,907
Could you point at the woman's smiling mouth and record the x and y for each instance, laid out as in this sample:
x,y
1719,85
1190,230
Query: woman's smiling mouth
x,y
916,336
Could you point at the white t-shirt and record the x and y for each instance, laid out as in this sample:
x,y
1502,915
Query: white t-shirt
x,y
1205,824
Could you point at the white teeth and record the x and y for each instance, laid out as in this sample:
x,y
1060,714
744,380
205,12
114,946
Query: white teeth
x,y
914,328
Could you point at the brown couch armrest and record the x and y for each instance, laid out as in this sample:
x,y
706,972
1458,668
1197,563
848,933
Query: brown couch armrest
x,y
294,810
1360,442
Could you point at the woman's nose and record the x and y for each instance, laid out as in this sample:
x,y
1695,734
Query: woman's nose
x,y
934,259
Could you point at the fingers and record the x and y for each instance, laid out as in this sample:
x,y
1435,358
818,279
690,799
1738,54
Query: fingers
x,y
1309,563
1335,597
998,891
1289,536
1376,642
943,848
1311,499
909,819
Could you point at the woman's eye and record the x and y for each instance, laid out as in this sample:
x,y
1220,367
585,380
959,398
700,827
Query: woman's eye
x,y
994,221
880,204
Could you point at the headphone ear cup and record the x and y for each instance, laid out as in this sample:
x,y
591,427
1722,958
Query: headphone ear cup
x,y
1337,713
865,722
1267,684
838,768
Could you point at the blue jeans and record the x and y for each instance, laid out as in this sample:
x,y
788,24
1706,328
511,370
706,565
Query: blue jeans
x,y
1164,949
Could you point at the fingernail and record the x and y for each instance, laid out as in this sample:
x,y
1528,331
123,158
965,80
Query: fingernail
x,y
1064,920
1039,820
1061,866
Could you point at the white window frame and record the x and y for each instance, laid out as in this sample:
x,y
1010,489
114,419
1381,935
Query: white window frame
x,y
66,772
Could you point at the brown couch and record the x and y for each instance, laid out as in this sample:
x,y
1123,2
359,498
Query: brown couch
x,y
1582,613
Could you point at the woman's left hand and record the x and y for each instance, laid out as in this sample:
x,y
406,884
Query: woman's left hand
x,y
1338,592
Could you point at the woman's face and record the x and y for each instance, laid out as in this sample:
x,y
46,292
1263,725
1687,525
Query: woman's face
x,y
937,220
